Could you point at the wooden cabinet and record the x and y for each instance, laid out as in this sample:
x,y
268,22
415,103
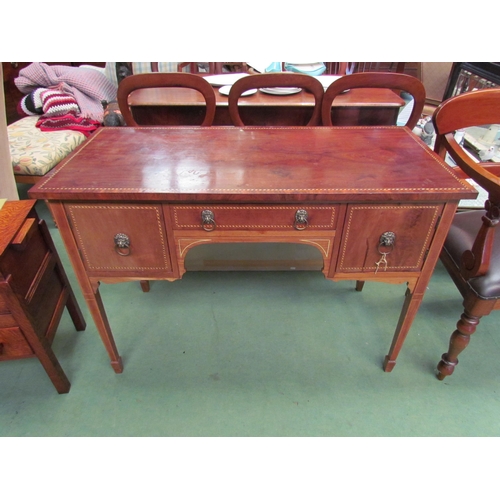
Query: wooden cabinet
x,y
34,290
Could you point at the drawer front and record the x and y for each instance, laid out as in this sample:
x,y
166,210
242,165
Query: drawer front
x,y
39,301
45,296
95,227
7,320
4,308
23,261
254,217
13,344
412,225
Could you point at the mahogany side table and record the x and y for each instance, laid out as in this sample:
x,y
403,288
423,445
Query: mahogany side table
x,y
131,202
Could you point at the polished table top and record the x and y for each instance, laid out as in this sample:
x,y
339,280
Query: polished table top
x,y
251,164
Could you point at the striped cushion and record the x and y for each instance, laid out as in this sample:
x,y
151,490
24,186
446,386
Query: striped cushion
x,y
34,152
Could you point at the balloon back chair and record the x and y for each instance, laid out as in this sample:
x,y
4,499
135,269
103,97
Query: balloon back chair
x,y
276,80
471,252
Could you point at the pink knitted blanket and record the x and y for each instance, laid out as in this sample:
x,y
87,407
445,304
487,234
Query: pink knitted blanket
x,y
88,86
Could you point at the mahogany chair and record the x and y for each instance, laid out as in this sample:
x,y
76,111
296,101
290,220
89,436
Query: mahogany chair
x,y
284,80
155,80
471,252
394,81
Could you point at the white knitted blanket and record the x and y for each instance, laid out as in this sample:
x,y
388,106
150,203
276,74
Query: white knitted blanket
x,y
88,86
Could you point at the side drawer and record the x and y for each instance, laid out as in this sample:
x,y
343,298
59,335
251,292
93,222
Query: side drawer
x,y
254,217
412,225
95,227
4,308
23,260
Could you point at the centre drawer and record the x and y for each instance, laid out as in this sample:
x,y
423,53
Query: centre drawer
x,y
254,217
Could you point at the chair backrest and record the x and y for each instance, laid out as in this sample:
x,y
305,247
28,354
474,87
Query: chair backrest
x,y
470,109
480,107
394,81
155,80
266,80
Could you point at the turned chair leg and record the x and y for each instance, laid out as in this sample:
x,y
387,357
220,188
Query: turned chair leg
x,y
459,340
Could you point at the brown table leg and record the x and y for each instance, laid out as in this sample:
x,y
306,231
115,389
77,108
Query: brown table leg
x,y
98,312
415,293
90,291
410,308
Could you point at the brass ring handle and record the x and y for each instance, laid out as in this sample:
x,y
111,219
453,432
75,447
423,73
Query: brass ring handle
x,y
122,244
208,220
386,241
385,247
300,222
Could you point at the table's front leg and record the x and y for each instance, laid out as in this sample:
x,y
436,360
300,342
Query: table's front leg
x,y
415,294
90,290
409,311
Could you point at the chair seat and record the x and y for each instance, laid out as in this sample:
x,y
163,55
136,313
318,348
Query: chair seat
x,y
461,238
34,152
